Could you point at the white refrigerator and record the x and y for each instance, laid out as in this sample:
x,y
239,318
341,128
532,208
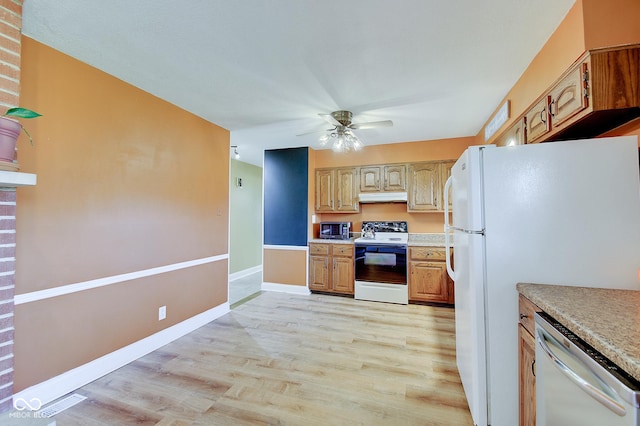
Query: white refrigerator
x,y
565,213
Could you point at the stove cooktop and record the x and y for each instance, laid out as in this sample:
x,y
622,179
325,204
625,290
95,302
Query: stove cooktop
x,y
384,233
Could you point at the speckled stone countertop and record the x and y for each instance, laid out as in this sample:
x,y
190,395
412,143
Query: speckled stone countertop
x,y
325,241
608,320
427,240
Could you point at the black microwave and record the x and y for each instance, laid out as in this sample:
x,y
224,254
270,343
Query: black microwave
x,y
335,230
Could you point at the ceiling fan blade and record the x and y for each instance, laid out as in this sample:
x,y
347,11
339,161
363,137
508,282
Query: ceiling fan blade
x,y
329,118
371,124
314,131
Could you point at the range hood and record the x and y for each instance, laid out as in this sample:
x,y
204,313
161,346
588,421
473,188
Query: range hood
x,y
383,197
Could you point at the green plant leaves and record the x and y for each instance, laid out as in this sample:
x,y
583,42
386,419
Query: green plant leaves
x,y
21,113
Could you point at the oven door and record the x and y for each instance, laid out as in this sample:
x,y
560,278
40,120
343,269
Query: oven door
x,y
381,263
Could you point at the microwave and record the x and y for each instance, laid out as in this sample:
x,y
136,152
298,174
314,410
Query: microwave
x,y
335,230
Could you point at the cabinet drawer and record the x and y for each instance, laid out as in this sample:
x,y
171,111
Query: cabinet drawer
x,y
527,308
319,249
342,250
427,253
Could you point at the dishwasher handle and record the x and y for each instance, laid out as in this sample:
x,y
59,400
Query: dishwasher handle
x,y
587,387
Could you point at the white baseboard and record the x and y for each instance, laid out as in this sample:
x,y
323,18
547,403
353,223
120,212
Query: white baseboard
x,y
71,380
285,288
245,273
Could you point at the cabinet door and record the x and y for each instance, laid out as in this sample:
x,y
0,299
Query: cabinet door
x,y
538,120
527,365
370,179
424,184
342,278
514,135
319,273
568,97
395,178
347,190
445,169
428,282
324,190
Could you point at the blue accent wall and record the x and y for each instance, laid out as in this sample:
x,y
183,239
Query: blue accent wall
x,y
286,185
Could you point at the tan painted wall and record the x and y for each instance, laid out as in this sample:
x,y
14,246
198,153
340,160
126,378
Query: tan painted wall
x,y
126,182
281,266
445,149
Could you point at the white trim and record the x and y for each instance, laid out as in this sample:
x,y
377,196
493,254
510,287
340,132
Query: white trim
x,y
71,380
101,282
14,179
245,273
272,247
286,288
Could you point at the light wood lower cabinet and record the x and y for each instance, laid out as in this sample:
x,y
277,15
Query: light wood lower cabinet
x,y
428,278
331,267
527,361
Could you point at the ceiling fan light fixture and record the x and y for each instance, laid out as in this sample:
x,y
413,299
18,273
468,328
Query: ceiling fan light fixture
x,y
343,140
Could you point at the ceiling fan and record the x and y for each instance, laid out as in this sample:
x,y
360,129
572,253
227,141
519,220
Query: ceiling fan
x,y
341,135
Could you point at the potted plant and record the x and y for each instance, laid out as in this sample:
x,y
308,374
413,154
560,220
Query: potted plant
x,y
10,130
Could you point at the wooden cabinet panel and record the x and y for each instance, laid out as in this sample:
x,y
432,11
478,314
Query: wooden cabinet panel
x,y
395,178
347,190
445,169
343,276
428,282
336,190
514,135
527,382
331,267
324,190
424,184
427,253
526,310
370,179
319,273
537,120
568,97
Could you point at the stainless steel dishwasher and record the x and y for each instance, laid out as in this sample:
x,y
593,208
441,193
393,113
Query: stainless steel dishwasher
x,y
576,385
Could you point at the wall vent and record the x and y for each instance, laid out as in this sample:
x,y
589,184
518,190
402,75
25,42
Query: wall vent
x,y
60,406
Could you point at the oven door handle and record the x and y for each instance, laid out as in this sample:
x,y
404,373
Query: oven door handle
x,y
447,228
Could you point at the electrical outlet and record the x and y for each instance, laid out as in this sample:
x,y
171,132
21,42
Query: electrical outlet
x,y
162,313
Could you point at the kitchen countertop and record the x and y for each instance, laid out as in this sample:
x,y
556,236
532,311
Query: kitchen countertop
x,y
425,240
607,319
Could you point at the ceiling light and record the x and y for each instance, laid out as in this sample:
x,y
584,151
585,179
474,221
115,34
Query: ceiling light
x,y
235,152
341,139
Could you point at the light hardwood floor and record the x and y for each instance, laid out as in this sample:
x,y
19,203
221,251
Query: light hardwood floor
x,y
282,359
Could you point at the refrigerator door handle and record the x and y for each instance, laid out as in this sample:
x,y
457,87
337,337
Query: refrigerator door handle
x,y
447,229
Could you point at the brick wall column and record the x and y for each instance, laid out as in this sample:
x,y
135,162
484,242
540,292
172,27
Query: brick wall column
x,y
7,287
10,38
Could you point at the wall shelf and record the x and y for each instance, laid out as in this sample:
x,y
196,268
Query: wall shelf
x,y
15,179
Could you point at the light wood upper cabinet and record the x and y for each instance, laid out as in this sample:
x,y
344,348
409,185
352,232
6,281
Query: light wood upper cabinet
x,y
426,185
538,122
336,190
370,179
390,178
514,135
569,96
347,190
324,190
395,178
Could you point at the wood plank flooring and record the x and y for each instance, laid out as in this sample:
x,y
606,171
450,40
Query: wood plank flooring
x,y
282,359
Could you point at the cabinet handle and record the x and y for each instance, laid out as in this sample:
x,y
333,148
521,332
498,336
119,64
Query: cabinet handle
x,y
553,102
542,117
523,316
533,368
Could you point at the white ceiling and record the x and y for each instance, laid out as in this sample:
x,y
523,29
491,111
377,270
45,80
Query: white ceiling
x,y
265,69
